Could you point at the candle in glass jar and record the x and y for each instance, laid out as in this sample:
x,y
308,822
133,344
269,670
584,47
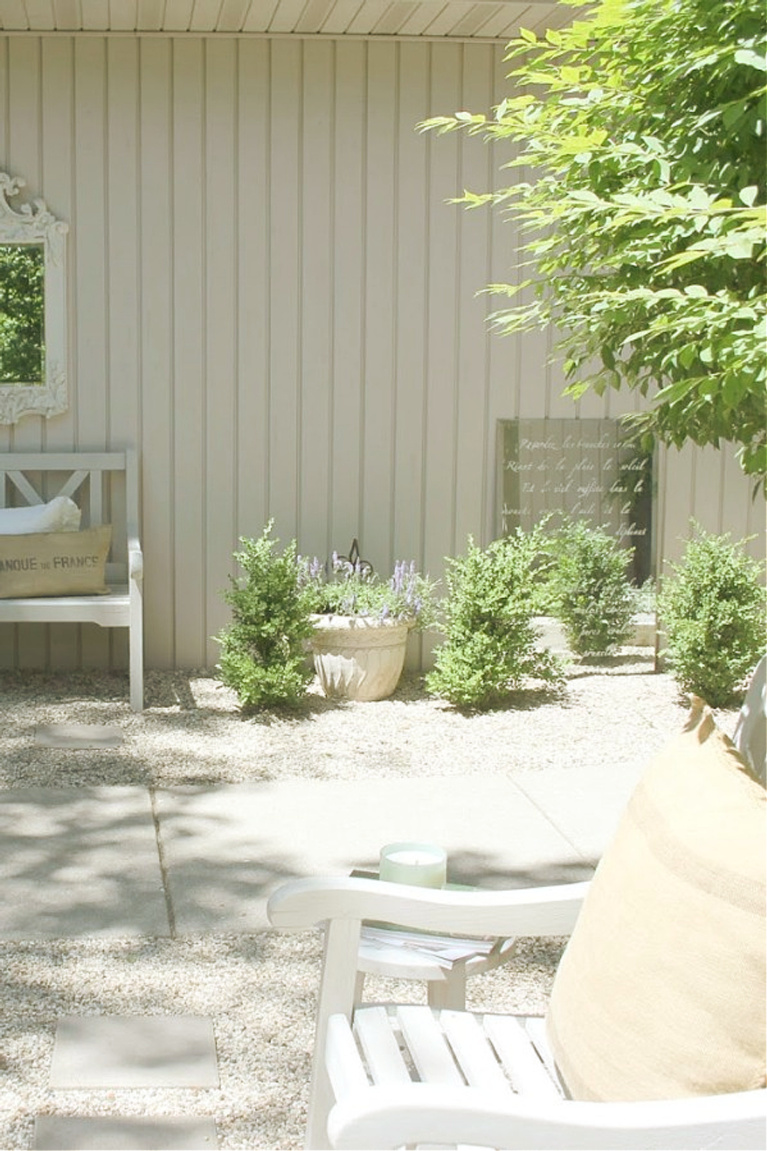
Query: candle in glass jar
x,y
421,864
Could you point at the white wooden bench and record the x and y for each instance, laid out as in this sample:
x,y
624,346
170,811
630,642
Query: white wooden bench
x,y
105,486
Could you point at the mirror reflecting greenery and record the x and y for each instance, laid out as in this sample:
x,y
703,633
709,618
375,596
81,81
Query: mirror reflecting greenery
x,y
22,314
33,306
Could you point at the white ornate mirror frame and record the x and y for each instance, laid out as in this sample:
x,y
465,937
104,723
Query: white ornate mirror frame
x,y
34,224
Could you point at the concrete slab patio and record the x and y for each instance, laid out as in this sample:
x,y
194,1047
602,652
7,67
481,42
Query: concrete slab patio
x,y
126,861
79,861
227,848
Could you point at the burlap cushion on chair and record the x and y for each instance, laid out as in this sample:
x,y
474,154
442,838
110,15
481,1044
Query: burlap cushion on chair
x,y
54,563
661,990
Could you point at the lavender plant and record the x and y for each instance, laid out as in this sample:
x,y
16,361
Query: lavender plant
x,y
354,589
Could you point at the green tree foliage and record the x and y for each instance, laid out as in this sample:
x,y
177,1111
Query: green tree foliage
x,y
262,651
22,276
639,191
711,608
490,646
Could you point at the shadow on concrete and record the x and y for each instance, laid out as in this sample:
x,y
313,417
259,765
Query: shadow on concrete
x,y
79,862
481,870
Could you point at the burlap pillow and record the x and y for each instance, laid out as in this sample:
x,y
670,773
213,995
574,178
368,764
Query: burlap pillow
x,y
54,563
661,991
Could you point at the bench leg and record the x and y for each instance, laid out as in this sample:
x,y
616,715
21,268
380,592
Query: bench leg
x,y
136,651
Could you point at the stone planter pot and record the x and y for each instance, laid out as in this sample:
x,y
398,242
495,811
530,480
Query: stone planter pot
x,y
356,657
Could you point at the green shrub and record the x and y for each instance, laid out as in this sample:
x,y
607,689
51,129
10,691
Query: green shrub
x,y
490,645
594,599
712,609
262,651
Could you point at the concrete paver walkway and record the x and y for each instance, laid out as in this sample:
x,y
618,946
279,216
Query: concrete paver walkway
x,y
124,861
79,862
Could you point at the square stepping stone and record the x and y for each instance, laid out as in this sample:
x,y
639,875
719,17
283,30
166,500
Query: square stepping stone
x,y
113,1051
78,736
107,1133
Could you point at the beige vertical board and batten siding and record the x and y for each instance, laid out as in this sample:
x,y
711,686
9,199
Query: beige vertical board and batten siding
x,y
317,243
25,140
379,324
221,229
410,295
189,310
57,120
159,404
271,298
284,264
441,319
472,443
89,302
347,289
252,448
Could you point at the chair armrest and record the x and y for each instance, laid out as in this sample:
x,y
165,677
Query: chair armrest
x,y
135,560
306,903
417,1113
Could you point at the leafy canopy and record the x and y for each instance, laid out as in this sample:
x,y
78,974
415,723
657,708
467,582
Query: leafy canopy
x,y
639,190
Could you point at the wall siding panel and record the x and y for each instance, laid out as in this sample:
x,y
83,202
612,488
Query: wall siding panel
x,y
412,240
472,445
221,223
271,298
286,133
253,348
59,165
442,319
315,347
90,298
158,411
189,342
375,530
349,232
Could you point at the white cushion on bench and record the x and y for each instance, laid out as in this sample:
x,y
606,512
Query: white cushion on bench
x,y
58,515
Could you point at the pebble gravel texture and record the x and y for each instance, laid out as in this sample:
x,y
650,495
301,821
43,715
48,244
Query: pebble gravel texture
x,y
260,989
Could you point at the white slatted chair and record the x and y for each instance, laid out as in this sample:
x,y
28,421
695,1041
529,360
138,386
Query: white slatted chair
x,y
105,486
408,1076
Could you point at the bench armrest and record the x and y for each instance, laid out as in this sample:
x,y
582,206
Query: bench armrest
x,y
135,560
418,1113
528,911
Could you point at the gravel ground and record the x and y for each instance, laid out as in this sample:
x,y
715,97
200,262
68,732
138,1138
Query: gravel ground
x,y
260,989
